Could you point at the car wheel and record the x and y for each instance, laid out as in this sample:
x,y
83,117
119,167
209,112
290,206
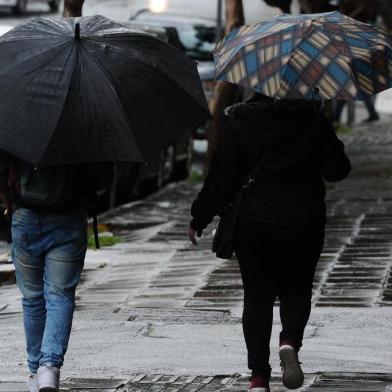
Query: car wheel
x,y
54,5
127,179
166,166
163,175
182,169
20,7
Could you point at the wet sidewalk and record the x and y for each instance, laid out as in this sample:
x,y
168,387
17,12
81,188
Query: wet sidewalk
x,y
337,382
155,313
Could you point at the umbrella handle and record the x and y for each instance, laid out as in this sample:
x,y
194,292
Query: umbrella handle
x,y
77,31
315,92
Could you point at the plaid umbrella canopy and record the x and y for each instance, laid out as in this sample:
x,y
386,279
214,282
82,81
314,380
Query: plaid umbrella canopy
x,y
314,56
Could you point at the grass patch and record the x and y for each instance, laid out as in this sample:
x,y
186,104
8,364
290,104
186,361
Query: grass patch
x,y
104,240
196,177
344,130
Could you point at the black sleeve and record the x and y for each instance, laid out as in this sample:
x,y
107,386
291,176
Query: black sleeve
x,y
335,165
223,180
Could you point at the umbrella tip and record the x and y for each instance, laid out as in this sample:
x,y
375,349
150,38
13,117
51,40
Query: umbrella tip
x,y
77,31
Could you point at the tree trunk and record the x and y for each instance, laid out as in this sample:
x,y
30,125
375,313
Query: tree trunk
x,y
385,10
362,10
224,94
234,15
72,8
284,5
368,10
314,6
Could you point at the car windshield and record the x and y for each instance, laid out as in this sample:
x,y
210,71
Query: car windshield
x,y
198,41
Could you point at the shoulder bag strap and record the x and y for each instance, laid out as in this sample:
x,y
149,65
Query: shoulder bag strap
x,y
254,173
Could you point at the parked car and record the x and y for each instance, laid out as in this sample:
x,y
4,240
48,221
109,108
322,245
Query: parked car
x,y
19,6
174,161
5,29
197,37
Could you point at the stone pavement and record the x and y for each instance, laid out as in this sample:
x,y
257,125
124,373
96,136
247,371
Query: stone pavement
x,y
326,382
155,313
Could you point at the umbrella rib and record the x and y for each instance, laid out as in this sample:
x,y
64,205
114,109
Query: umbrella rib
x,y
122,52
305,37
34,70
9,36
353,77
357,34
250,43
57,47
349,66
371,39
351,56
232,50
104,74
348,54
110,82
310,29
65,97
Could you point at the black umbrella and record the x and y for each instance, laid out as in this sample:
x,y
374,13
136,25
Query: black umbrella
x,y
92,90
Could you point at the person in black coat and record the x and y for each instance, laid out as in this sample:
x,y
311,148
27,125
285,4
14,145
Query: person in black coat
x,y
280,229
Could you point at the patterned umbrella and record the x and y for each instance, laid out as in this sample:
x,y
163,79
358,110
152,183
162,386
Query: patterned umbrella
x,y
315,56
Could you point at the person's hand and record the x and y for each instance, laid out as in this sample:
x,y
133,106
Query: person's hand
x,y
192,235
8,204
8,211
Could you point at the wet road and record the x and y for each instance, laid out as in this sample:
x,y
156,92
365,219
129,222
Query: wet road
x,y
143,299
255,10
165,313
355,266
326,382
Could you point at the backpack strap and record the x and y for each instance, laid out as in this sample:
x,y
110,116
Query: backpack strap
x,y
8,226
95,229
4,188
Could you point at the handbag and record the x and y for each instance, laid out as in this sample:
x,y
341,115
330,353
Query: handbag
x,y
223,242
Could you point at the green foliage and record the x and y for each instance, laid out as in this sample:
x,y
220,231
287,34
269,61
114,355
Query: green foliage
x,y
196,177
104,240
343,130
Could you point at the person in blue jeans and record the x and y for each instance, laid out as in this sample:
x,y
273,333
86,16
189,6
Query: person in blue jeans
x,y
48,252
48,208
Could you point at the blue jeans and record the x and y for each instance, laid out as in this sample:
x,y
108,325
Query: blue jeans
x,y
48,252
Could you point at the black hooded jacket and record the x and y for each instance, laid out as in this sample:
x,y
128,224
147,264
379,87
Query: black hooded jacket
x,y
301,151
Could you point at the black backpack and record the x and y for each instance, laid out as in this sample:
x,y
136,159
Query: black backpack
x,y
45,189
60,188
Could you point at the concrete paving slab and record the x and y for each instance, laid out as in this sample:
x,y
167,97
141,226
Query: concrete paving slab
x,y
155,305
13,387
143,382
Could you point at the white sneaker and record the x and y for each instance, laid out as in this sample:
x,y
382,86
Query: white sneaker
x,y
32,383
48,378
292,375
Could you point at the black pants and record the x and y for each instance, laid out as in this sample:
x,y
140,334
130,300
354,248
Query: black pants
x,y
275,261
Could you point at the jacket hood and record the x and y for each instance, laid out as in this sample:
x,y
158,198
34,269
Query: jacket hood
x,y
268,109
275,122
